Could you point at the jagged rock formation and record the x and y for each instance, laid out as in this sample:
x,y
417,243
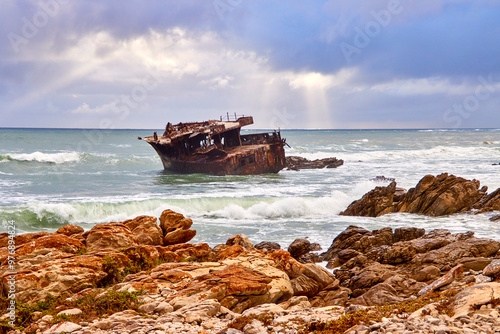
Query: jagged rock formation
x,y
382,266
374,203
140,255
298,163
175,228
433,196
193,288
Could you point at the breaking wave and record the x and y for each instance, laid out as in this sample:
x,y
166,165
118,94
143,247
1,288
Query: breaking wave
x,y
42,215
437,152
53,158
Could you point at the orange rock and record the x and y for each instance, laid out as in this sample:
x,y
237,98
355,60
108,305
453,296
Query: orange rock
x,y
146,230
21,239
171,221
109,236
175,228
229,251
286,263
142,254
168,256
178,236
238,280
52,241
45,247
69,229
63,277
241,240
192,252
172,276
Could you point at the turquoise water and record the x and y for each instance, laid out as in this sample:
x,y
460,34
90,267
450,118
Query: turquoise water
x,y
49,178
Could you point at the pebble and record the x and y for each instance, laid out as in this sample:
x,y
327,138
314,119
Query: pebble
x,y
159,318
291,322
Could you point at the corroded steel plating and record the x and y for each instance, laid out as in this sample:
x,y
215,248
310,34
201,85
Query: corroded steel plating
x,y
217,147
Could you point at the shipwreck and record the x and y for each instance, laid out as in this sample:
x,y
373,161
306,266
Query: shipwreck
x,y
217,147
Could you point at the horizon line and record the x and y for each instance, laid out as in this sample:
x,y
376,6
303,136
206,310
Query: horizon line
x,y
266,129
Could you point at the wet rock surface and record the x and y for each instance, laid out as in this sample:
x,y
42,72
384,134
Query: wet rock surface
x,y
298,163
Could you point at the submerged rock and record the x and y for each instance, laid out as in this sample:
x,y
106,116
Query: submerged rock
x,y
298,163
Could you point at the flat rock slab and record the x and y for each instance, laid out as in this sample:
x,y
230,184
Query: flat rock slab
x,y
479,294
63,327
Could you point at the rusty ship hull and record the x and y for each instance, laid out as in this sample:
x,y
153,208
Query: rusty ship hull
x,y
218,148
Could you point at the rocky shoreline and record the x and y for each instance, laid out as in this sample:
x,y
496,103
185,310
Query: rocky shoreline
x,y
433,196
143,276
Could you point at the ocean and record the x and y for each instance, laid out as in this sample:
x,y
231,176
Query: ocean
x,y
52,177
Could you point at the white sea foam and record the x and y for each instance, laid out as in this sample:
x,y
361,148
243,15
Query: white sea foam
x,y
224,209
294,207
442,130
56,158
437,152
484,150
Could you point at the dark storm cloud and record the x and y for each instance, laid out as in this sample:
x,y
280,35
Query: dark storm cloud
x,y
461,42
61,21
460,39
294,34
381,41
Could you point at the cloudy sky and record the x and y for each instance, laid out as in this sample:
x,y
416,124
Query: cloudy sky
x,y
290,63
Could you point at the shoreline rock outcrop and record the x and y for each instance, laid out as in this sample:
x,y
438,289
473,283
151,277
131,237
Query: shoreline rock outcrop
x,y
381,266
298,163
433,196
153,259
237,287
